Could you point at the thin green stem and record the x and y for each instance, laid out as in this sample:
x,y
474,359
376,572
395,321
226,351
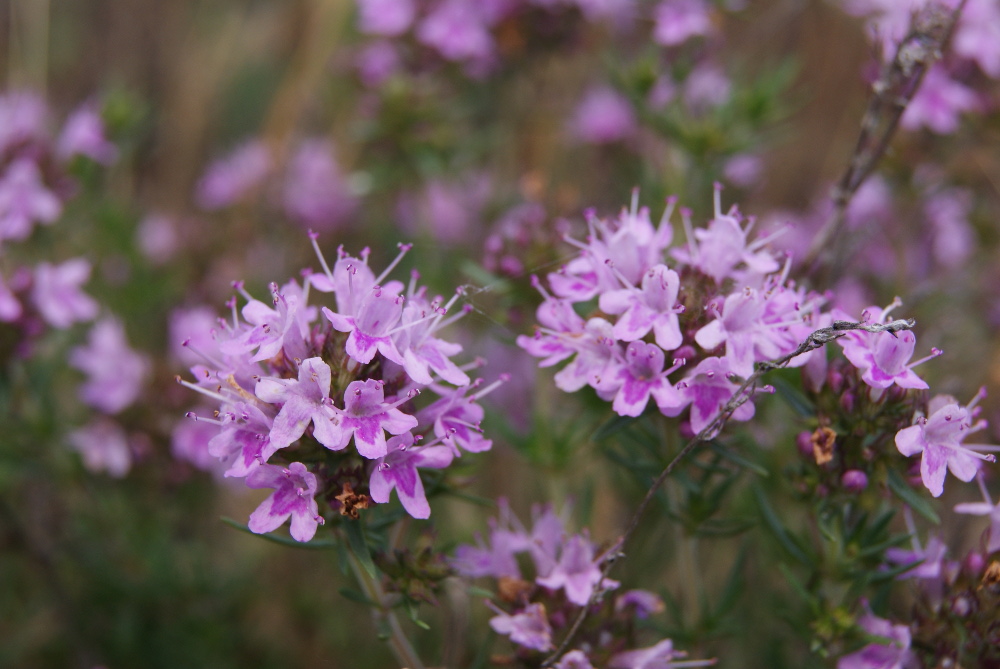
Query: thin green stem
x,y
401,647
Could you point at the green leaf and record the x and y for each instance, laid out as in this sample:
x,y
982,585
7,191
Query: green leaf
x,y
777,529
411,610
738,459
794,397
284,541
355,532
911,497
355,596
612,426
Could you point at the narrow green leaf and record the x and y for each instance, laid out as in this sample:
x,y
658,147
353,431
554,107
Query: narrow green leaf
x,y
797,586
355,532
284,541
355,596
777,529
738,459
794,397
611,427
911,497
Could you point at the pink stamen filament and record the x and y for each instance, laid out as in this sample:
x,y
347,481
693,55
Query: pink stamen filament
x,y
403,250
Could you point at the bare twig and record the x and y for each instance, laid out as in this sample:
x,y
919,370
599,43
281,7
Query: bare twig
x,y
930,30
741,396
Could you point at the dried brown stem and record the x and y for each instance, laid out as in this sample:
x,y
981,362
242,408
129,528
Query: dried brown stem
x,y
741,396
930,30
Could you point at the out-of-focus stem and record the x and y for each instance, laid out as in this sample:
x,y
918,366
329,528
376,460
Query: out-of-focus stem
x,y
28,45
898,82
401,647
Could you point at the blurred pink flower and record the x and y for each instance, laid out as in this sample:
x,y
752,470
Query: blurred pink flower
x,y
938,103
604,116
385,17
84,134
103,446
229,179
679,20
316,194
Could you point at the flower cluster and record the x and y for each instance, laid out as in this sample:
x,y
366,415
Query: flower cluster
x,y
724,293
723,304
566,576
296,386
35,185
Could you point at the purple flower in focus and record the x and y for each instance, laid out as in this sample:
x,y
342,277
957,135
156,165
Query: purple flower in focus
x,y
57,296
891,651
652,307
385,17
708,388
293,496
456,420
115,372
641,377
229,179
529,628
604,116
679,20
939,438
84,135
303,401
244,442
315,192
367,417
882,357
24,200
103,446
371,327
397,470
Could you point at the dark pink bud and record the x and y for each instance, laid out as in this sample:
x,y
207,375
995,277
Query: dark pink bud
x,y
854,480
974,563
847,402
687,352
835,380
803,441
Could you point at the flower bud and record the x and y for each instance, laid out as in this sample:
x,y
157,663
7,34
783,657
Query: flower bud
x,y
854,480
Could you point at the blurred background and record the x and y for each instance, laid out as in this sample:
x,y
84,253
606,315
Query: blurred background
x,y
481,136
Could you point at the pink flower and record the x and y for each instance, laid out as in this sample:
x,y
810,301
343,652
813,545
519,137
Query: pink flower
x,y
57,295
679,20
939,438
529,628
84,135
985,508
103,446
604,116
24,200
397,470
892,651
938,103
385,17
315,192
231,178
115,372
293,497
